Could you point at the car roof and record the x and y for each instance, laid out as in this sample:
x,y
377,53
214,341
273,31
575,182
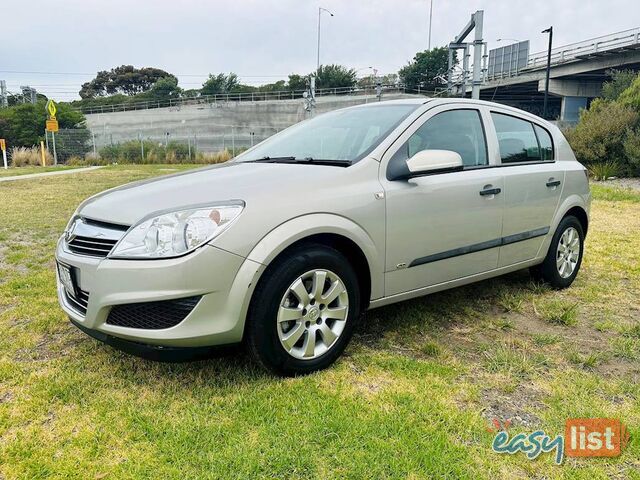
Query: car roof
x,y
403,101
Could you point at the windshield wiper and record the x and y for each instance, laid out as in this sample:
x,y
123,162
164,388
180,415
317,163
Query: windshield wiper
x,y
308,160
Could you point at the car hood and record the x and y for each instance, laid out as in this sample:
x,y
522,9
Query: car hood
x,y
249,182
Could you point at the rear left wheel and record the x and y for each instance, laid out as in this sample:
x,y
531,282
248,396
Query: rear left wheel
x,y
563,260
303,311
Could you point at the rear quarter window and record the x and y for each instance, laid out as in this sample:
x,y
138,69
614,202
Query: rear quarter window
x,y
546,143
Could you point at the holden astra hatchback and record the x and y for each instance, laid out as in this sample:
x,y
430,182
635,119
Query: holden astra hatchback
x,y
283,247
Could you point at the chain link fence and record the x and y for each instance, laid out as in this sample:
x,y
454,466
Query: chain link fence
x,y
141,147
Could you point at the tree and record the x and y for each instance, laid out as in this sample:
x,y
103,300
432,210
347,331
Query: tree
x,y
297,82
631,95
620,81
427,69
124,79
221,83
335,76
23,125
164,89
603,132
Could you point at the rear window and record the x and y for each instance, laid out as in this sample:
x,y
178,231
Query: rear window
x,y
517,139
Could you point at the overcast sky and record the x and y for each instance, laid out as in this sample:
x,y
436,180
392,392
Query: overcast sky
x,y
264,40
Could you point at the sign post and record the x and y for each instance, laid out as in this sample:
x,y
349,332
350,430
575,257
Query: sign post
x,y
3,147
51,125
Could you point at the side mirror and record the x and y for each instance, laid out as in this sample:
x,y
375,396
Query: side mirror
x,y
431,161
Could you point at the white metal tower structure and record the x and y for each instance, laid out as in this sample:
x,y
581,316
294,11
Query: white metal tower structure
x,y
475,25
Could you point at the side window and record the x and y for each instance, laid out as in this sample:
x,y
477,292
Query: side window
x,y
546,144
456,130
516,138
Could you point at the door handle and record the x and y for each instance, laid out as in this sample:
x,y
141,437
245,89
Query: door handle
x,y
553,183
490,191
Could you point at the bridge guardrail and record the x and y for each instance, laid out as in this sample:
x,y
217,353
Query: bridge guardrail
x,y
240,97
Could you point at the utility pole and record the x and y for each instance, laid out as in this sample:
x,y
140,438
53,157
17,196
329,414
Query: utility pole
x,y
430,18
546,81
4,102
320,10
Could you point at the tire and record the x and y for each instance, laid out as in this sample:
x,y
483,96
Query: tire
x,y
281,327
563,260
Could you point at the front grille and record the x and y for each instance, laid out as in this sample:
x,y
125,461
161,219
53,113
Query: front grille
x,y
79,302
93,238
91,246
152,315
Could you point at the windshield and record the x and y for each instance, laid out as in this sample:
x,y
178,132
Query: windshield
x,y
343,135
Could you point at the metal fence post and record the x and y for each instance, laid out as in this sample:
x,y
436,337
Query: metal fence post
x,y
189,144
93,137
233,141
141,147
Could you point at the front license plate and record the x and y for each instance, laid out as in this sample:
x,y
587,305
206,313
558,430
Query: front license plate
x,y
66,278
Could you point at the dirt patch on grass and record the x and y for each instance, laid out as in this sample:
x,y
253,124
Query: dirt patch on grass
x,y
50,346
515,407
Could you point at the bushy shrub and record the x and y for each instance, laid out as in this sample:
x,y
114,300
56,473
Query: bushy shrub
x,y
603,171
158,153
29,157
631,96
602,132
620,81
632,148
210,158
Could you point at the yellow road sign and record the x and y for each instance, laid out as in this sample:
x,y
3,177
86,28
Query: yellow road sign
x,y
3,144
51,125
52,109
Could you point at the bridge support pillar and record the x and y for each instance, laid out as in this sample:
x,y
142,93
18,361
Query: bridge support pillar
x,y
571,106
575,95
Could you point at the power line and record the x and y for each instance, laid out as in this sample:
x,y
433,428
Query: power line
x,y
176,74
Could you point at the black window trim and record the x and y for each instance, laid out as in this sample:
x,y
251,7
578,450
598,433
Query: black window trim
x,y
464,168
532,123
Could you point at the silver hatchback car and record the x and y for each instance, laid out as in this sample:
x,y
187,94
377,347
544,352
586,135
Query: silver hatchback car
x,y
286,245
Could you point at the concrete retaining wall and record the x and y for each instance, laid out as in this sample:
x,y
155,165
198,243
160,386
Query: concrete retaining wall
x,y
212,127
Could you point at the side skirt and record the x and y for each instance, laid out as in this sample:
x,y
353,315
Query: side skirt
x,y
381,302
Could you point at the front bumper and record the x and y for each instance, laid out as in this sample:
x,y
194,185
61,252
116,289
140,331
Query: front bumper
x,y
224,280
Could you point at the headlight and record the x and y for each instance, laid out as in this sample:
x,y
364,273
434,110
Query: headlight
x,y
173,234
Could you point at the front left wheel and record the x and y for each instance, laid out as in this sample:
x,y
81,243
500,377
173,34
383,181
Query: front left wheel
x,y
303,311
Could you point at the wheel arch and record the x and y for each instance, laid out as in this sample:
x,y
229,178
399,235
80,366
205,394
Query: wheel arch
x,y
333,231
581,214
573,205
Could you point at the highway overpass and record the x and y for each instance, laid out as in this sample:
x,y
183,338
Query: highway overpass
x,y
577,73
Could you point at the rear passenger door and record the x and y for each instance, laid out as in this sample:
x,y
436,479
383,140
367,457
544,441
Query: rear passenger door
x,y
533,184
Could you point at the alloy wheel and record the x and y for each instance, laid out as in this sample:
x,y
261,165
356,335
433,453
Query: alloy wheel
x,y
312,314
568,252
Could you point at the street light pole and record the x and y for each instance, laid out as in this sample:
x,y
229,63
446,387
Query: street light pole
x,y
430,17
320,10
546,81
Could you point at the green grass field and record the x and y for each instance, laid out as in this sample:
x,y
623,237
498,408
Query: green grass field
x,y
411,398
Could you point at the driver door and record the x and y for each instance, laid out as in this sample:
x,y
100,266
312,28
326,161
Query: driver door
x,y
443,226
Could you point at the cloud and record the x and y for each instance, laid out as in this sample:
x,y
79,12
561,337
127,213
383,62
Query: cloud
x,y
263,39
